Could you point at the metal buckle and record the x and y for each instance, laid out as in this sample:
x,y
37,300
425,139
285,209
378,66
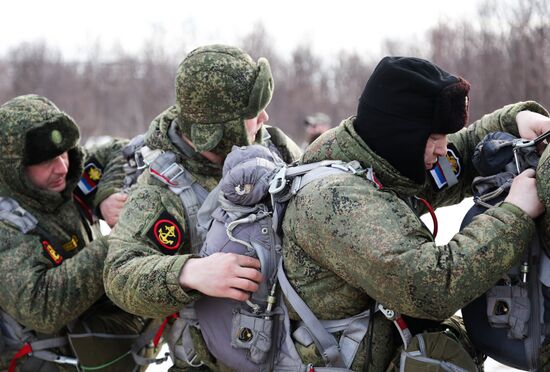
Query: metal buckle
x,y
390,314
278,182
167,171
190,362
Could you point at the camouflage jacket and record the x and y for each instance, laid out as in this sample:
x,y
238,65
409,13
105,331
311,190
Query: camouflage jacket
x,y
53,273
543,188
347,242
140,276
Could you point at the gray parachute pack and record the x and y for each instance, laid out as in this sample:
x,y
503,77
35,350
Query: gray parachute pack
x,y
509,323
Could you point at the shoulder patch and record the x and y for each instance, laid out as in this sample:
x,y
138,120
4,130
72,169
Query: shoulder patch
x,y
90,178
50,253
166,233
440,172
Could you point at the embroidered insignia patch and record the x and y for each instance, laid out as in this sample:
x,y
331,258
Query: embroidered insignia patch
x,y
448,167
90,178
51,253
454,161
71,244
166,233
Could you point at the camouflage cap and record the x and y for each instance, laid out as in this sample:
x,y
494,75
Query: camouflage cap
x,y
217,88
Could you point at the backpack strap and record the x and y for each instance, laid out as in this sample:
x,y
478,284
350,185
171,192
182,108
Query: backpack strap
x,y
354,330
325,342
165,168
179,339
23,341
421,355
290,179
12,213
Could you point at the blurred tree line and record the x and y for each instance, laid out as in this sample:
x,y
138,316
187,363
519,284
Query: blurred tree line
x,y
504,52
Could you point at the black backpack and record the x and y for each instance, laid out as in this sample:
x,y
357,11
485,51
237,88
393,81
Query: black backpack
x,y
508,322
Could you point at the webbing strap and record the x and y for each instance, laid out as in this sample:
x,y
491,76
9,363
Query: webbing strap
x,y
447,170
191,205
142,341
11,212
354,330
421,356
399,322
49,343
182,183
325,342
302,175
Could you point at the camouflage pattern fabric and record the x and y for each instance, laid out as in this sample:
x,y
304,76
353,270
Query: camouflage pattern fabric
x,y
348,243
543,189
217,88
139,276
40,295
544,358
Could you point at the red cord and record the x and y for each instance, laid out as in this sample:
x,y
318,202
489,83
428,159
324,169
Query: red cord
x,y
157,336
432,213
25,349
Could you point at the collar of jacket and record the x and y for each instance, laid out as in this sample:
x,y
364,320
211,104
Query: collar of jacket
x,y
343,143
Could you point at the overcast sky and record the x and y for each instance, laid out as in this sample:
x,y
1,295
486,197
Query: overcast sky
x,y
73,25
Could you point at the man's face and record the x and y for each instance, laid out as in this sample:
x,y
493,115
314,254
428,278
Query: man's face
x,y
435,146
51,174
253,125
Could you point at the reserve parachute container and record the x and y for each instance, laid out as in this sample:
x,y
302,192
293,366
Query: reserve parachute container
x,y
510,321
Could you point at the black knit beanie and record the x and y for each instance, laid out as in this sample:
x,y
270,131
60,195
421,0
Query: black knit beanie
x,y
404,102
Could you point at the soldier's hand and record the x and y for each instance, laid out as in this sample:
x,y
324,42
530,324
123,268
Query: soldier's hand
x,y
226,275
112,206
531,125
523,194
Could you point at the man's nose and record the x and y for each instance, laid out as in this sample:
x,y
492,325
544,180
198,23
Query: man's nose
x,y
60,166
441,150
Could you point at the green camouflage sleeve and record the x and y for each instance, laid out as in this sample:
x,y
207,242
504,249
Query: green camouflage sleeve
x,y
543,189
373,241
109,155
465,141
140,275
41,296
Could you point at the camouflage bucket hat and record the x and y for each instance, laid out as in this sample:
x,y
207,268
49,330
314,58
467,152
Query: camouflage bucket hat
x,y
217,88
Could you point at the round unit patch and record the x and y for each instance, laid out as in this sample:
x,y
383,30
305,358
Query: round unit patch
x,y
168,234
56,137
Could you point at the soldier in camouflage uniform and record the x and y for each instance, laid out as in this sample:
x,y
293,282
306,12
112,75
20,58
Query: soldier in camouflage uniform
x,y
221,96
52,274
543,187
350,242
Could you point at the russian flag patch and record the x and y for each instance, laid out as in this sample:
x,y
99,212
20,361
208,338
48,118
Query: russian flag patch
x,y
90,178
438,177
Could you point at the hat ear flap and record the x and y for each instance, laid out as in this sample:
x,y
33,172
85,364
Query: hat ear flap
x,y
451,110
206,136
261,92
